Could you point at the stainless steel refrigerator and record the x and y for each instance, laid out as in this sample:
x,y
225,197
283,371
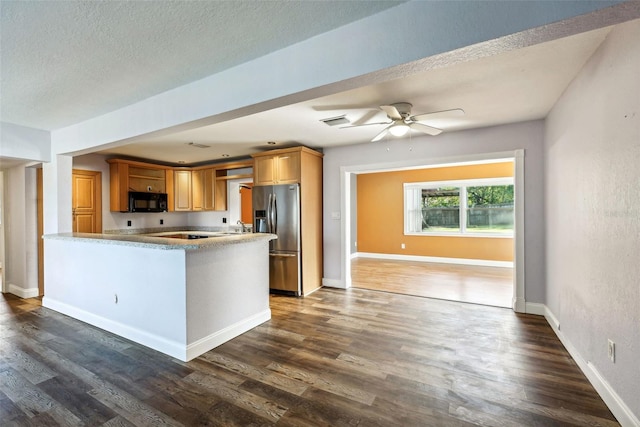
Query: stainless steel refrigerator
x,y
276,209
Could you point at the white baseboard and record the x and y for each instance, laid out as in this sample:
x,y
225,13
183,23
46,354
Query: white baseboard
x,y
205,344
440,260
333,283
535,308
163,345
21,292
616,405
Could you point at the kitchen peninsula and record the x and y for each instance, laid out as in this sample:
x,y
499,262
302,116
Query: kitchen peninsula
x,y
179,296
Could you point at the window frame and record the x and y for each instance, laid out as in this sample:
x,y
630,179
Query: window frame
x,y
462,184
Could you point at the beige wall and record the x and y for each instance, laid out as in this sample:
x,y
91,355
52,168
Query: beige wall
x,y
381,215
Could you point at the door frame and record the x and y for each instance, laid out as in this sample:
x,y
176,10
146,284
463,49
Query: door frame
x,y
517,156
2,241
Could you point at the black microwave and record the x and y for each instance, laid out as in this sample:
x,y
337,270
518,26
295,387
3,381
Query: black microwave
x,y
147,202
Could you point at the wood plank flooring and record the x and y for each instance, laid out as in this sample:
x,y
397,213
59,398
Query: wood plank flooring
x,y
465,283
335,358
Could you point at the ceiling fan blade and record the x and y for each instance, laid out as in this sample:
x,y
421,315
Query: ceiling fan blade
x,y
429,130
381,135
366,117
365,124
456,112
391,111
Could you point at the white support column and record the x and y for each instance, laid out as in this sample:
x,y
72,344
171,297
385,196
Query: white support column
x,y
57,194
519,301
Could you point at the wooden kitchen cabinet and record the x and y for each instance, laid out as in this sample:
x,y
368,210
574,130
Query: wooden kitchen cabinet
x,y
277,168
209,189
197,190
303,166
202,188
128,175
182,192
220,190
224,172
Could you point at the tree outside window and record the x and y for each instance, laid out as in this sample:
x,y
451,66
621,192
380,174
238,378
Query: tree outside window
x,y
434,208
490,208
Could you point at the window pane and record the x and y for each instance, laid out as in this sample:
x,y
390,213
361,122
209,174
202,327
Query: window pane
x,y
490,209
441,209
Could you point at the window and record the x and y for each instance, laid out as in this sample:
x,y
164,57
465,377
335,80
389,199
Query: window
x,y
435,207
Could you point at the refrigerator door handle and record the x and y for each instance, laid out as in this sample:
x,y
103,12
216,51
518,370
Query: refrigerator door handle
x,y
269,225
283,255
274,213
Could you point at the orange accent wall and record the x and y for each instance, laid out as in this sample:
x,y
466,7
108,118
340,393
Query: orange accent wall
x,y
380,215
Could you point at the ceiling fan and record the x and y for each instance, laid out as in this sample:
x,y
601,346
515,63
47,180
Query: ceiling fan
x,y
402,120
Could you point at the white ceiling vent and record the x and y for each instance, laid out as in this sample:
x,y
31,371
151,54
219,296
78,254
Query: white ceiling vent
x,y
335,121
195,144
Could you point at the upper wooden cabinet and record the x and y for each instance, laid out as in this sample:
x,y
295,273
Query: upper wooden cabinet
x,y
209,189
183,190
128,175
197,189
283,166
201,188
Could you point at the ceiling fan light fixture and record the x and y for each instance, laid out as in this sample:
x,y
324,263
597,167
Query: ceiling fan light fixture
x,y
398,129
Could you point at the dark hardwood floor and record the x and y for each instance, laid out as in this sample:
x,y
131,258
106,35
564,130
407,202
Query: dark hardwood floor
x,y
455,282
335,358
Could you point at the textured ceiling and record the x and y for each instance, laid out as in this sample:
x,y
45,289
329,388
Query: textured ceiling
x,y
67,61
514,86
63,62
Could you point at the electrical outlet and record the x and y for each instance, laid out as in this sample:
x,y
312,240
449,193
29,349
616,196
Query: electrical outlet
x,y
611,351
128,223
402,246
224,220
161,221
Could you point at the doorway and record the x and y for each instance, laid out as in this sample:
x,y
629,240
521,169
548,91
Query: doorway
x,y
440,231
246,202
349,227
241,201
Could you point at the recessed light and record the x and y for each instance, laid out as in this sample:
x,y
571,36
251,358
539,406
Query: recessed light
x,y
271,143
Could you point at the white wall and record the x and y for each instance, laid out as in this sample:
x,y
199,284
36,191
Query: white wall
x,y
21,257
21,142
592,148
430,150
